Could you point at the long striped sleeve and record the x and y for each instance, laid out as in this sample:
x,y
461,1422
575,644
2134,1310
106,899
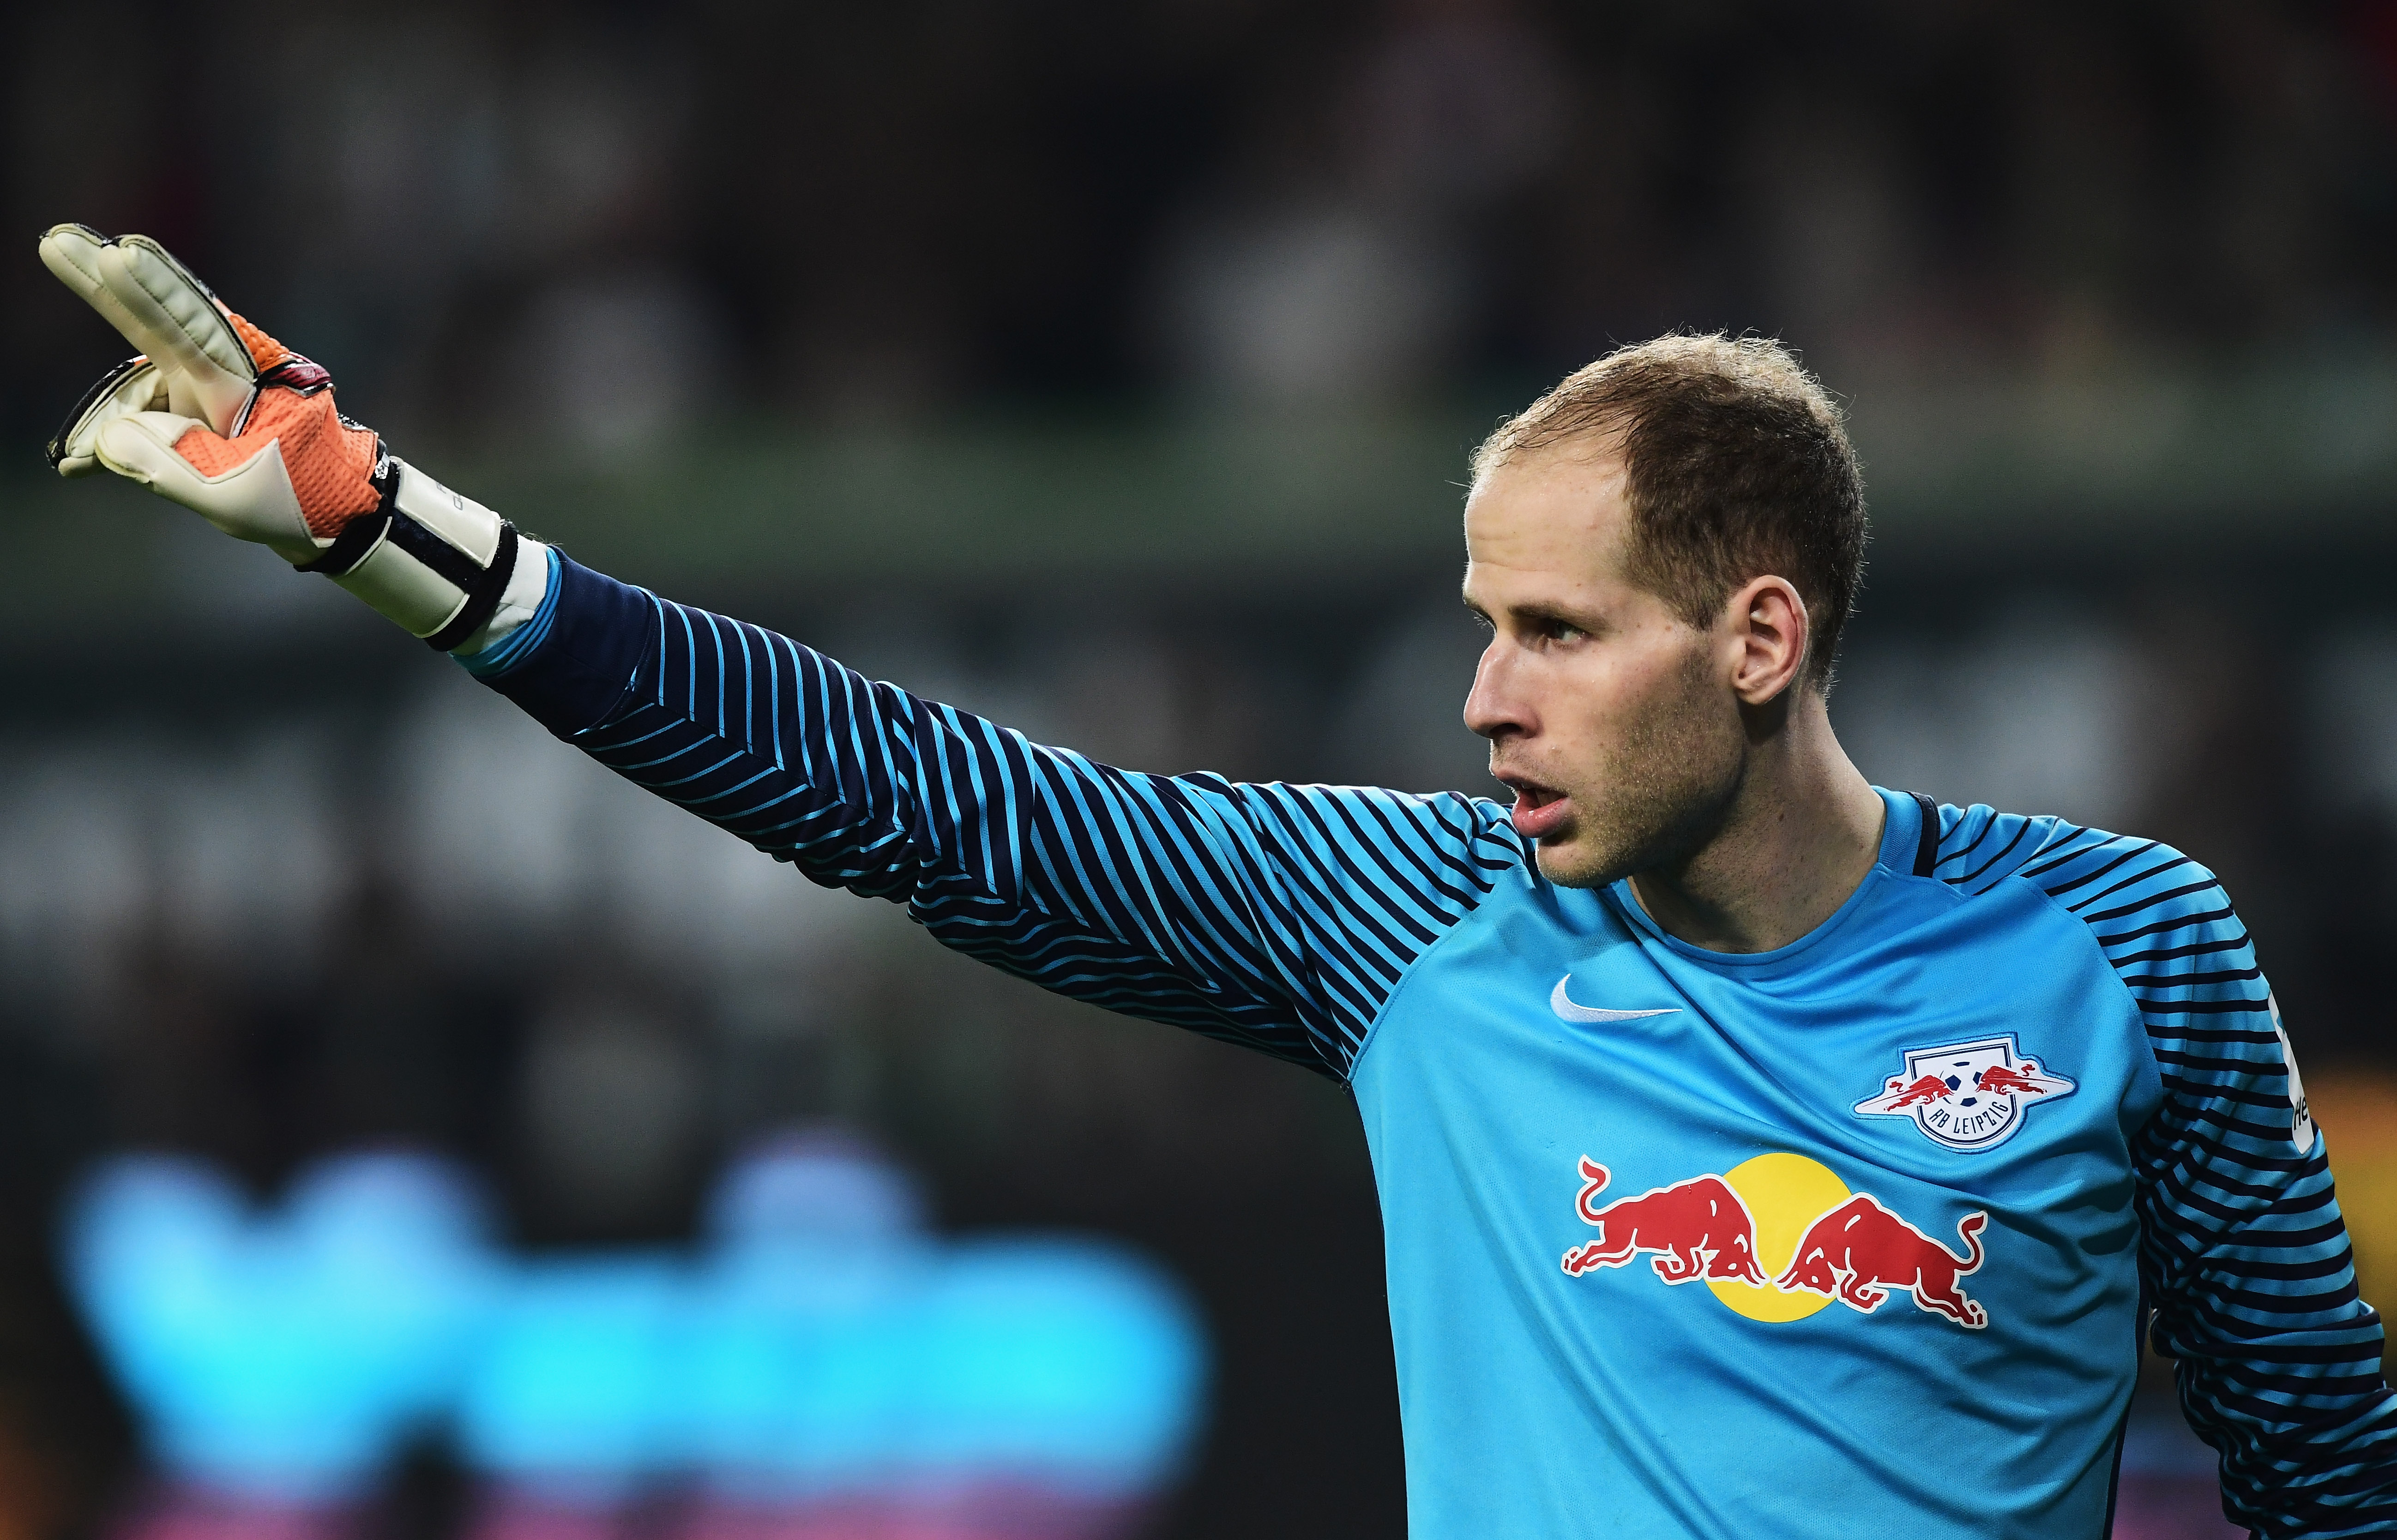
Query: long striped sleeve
x,y
1277,916
2243,1257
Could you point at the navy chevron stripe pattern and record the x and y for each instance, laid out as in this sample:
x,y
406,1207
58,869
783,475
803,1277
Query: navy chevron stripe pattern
x,y
2243,1257
1277,916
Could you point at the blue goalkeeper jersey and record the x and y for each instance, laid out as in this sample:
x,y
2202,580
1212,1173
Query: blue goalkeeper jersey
x,y
1853,1237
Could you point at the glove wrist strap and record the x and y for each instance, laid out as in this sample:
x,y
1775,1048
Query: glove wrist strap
x,y
435,561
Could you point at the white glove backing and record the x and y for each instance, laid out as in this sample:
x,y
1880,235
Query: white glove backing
x,y
221,417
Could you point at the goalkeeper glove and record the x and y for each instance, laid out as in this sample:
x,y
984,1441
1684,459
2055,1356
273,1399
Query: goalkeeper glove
x,y
218,416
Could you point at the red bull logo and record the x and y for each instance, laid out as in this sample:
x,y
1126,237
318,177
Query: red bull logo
x,y
1967,1096
1860,1251
1694,1230
1777,1238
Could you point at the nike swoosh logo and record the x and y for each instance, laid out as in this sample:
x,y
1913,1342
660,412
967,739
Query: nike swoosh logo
x,y
1562,1004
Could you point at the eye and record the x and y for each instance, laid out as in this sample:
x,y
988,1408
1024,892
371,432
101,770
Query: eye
x,y
1559,631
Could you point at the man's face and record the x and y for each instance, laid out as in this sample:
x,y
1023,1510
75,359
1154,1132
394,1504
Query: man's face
x,y
1613,720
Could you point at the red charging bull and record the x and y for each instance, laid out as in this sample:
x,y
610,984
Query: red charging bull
x,y
1698,1229
1925,1090
2012,1082
1860,1251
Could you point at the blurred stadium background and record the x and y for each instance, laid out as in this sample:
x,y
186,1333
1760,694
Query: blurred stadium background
x,y
1108,369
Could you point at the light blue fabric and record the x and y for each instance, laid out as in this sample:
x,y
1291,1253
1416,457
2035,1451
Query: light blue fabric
x,y
1541,1403
2026,1072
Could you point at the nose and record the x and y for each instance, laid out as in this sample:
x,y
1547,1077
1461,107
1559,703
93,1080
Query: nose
x,y
1494,708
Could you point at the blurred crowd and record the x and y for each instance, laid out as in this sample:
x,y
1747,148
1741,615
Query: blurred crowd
x,y
275,888
613,225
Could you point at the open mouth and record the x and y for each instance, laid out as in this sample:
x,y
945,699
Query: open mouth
x,y
1538,811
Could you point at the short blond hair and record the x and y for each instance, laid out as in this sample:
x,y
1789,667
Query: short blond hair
x,y
1736,463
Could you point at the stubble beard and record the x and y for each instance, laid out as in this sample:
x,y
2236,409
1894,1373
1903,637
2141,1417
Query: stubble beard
x,y
1664,787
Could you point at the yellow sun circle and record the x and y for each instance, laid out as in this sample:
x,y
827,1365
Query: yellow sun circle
x,y
1784,1194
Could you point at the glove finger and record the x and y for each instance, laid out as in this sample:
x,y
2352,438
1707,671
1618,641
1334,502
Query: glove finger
x,y
72,253
189,333
139,446
135,385
251,501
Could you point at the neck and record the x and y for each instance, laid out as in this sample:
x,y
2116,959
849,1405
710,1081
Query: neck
x,y
1801,833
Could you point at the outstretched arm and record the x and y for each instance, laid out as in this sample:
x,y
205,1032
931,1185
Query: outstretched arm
x,y
1276,916
1281,917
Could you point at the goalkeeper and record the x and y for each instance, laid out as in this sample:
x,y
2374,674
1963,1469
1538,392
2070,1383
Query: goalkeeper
x,y
1760,1151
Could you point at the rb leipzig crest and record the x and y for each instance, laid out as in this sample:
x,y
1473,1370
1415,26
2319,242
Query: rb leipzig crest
x,y
1967,1096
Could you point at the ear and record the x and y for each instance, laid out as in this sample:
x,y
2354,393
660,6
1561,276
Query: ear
x,y
1768,621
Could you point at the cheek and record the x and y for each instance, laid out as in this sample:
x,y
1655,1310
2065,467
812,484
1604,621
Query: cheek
x,y
1629,690
1647,705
